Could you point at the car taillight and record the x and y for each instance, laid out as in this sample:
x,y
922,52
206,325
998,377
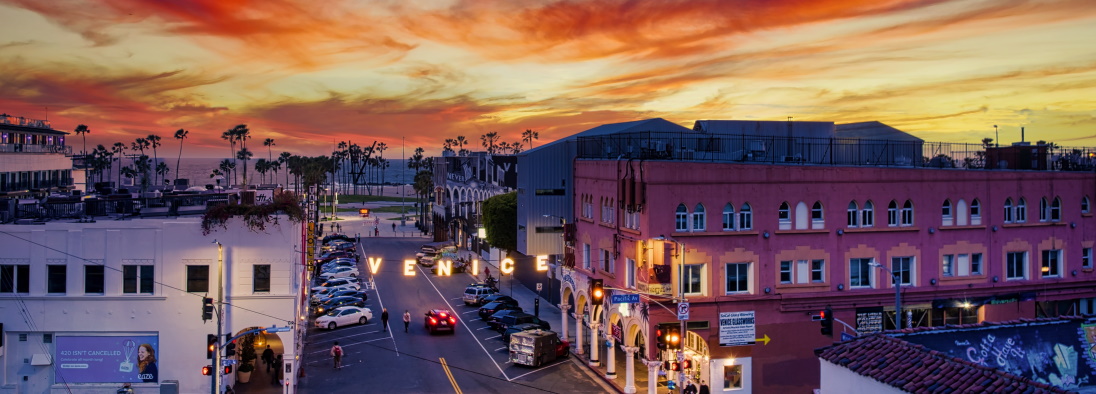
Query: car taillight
x,y
452,320
433,321
443,315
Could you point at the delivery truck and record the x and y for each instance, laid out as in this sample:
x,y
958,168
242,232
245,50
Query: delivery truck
x,y
537,347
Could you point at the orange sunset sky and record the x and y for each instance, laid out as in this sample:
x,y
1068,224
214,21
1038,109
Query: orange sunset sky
x,y
309,73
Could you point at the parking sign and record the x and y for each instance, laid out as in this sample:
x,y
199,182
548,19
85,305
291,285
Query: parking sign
x,y
683,311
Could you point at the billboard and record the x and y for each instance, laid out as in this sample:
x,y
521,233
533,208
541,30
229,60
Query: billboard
x,y
106,359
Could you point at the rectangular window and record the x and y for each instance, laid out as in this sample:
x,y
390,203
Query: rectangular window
x,y
1052,264
867,216
93,279
745,219
738,278
818,271
903,268
586,256
948,265
694,279
56,278
262,278
1086,258
892,216
631,275
728,220
907,215
801,272
606,261
860,272
786,271
681,221
853,216
197,278
137,279
15,278
1016,265
976,264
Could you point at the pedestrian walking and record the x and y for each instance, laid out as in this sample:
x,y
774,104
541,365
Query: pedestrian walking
x,y
704,388
277,371
384,319
376,231
336,354
406,320
393,227
268,357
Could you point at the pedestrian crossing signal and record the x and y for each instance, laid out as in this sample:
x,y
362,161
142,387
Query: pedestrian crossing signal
x,y
228,369
207,370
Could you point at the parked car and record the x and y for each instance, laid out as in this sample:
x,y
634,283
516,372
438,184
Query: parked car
x,y
340,272
492,307
328,292
344,316
493,320
338,263
518,328
475,293
351,282
337,237
337,302
344,292
499,297
440,320
514,319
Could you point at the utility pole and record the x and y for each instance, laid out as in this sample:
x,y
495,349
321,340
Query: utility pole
x,y
897,294
217,368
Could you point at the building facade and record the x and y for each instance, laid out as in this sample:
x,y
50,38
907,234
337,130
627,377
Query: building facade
x,y
80,301
759,244
34,158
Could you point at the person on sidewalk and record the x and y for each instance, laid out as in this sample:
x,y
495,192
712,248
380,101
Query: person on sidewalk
x,y
274,376
384,319
704,388
406,320
336,354
689,388
393,227
268,357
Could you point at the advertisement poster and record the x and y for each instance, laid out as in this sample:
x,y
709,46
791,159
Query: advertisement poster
x,y
737,328
107,359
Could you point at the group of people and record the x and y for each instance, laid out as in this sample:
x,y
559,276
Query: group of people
x,y
273,365
691,388
337,351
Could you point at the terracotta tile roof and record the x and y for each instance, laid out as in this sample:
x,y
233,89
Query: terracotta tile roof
x,y
917,369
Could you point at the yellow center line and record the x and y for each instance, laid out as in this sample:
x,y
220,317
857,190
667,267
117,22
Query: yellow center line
x,y
449,373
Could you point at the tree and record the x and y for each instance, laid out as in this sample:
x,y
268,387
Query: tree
x,y
245,155
154,142
180,135
230,136
490,141
500,217
215,173
283,159
261,167
461,141
448,145
528,136
269,143
83,130
119,149
162,170
227,166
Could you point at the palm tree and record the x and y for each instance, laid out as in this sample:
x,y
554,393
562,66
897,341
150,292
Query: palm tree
x,y
244,155
180,135
83,130
243,134
162,170
283,159
528,136
154,142
144,166
261,166
227,166
119,149
100,160
215,173
229,136
269,142
490,141
448,145
461,142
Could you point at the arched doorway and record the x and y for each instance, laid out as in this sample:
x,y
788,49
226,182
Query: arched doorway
x,y
249,350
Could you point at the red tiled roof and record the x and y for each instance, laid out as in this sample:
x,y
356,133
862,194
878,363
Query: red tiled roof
x,y
917,369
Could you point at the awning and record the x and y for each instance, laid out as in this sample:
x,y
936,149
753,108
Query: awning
x,y
979,301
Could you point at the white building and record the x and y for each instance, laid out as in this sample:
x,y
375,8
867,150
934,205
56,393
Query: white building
x,y
78,301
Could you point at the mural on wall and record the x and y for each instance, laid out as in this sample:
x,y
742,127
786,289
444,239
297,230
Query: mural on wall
x,y
1058,353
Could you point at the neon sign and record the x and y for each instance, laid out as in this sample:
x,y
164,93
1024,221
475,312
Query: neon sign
x,y
445,267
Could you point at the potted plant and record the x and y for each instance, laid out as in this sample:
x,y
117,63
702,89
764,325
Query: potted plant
x,y
247,358
243,373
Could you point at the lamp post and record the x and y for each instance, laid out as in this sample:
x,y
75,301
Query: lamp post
x,y
562,251
680,299
897,293
217,369
996,137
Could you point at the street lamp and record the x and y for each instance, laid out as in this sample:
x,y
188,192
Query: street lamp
x,y
217,368
996,137
897,277
681,298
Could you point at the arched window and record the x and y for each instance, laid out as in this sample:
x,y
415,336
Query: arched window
x,y
728,217
853,214
892,214
784,216
975,212
1008,210
907,213
1044,209
745,217
947,216
1056,209
1021,211
1084,204
818,218
681,218
699,218
867,216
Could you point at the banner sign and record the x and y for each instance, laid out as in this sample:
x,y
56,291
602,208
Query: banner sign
x,y
106,359
737,328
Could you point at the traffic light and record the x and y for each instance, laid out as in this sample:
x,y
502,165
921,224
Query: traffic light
x,y
671,365
207,308
230,350
827,322
673,338
207,370
228,369
660,338
211,345
597,291
686,364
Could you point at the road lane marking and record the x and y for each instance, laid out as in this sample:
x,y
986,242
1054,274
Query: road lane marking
x,y
449,373
557,362
471,311
381,302
466,327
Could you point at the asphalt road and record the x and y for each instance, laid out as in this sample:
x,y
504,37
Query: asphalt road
x,y
472,359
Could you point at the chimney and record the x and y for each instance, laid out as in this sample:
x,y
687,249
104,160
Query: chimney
x,y
1021,134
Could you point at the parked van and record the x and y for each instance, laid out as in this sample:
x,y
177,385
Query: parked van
x,y
475,293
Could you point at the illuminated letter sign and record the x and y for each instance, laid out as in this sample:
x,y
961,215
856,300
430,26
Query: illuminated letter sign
x,y
507,266
445,267
409,267
374,264
542,263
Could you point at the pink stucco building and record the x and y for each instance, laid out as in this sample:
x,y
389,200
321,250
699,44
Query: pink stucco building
x,y
760,246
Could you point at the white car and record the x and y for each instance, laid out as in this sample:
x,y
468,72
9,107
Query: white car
x,y
340,272
326,291
348,282
344,316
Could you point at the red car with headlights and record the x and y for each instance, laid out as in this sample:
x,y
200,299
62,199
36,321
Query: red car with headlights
x,y
440,320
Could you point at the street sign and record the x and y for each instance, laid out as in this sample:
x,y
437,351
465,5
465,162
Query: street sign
x,y
624,299
229,361
846,337
540,286
680,356
682,311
